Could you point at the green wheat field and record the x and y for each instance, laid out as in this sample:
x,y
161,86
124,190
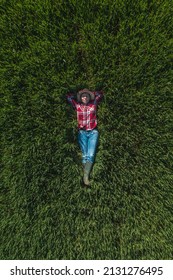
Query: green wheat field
x,y
49,48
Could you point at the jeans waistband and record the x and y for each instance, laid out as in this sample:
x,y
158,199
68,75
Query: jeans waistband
x,y
88,129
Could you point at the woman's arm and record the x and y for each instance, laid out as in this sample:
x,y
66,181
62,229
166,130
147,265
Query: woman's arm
x,y
98,96
71,99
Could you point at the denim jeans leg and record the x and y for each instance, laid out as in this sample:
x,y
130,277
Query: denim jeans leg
x,y
92,145
83,143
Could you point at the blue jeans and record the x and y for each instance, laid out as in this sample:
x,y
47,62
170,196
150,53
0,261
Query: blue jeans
x,y
88,140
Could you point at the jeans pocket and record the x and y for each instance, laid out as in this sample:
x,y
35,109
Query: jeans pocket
x,y
95,131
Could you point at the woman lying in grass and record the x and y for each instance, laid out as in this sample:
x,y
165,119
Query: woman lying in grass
x,y
86,107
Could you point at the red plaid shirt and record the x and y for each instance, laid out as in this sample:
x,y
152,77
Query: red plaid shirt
x,y
86,114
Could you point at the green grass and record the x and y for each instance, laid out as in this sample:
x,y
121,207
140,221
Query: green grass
x,y
49,48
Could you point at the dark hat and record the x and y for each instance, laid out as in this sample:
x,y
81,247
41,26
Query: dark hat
x,y
85,90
